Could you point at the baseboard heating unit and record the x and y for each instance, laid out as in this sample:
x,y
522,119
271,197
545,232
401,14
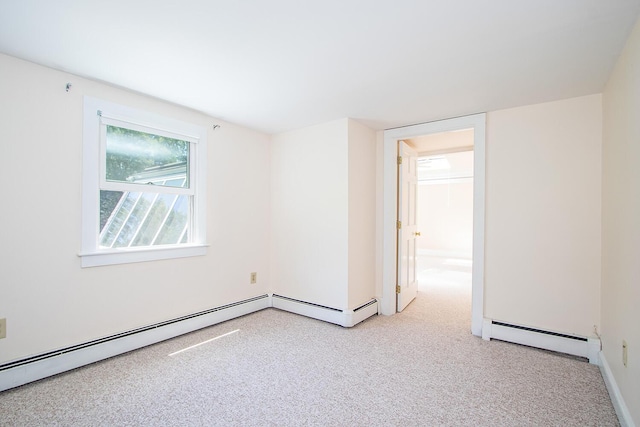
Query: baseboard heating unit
x,y
23,371
586,347
346,318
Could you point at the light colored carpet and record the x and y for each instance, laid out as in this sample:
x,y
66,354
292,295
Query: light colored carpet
x,y
419,368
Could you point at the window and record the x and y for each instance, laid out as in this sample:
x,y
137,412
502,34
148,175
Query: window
x,y
143,186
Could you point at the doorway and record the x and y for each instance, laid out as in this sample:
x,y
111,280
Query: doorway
x,y
387,238
445,220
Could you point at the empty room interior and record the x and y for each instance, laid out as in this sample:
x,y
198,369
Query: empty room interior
x,y
320,213
444,209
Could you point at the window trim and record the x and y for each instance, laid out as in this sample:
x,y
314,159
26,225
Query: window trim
x,y
95,112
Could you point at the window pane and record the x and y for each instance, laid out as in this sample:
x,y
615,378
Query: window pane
x,y
108,202
144,219
174,229
155,218
118,216
144,158
134,220
179,182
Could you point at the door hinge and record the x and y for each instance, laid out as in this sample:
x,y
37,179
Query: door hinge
x,y
399,160
398,289
398,225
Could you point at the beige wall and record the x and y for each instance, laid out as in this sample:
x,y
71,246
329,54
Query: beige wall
x,y
323,214
620,222
362,220
543,194
445,218
309,214
48,300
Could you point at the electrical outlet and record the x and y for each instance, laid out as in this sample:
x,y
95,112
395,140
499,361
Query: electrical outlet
x,y
254,278
624,353
3,328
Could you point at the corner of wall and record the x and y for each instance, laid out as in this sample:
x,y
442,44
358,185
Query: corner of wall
x,y
620,229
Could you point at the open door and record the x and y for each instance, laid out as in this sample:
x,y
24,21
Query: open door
x,y
407,284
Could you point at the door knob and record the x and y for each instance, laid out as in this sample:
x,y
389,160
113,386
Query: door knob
x,y
417,234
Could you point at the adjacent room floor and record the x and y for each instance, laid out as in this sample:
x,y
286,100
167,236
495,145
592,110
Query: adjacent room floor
x,y
444,272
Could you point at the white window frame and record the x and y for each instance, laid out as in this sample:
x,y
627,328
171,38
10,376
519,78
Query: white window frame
x,y
99,113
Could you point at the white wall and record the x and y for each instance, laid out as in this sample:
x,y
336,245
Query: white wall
x,y
445,206
445,219
620,222
48,300
323,214
362,219
309,214
380,209
543,201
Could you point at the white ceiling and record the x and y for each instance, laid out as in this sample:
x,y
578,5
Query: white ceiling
x,y
283,64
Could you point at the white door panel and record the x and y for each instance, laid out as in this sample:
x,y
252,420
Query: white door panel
x,y
407,287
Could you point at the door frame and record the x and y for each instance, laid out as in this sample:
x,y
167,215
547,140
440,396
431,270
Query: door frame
x,y
389,209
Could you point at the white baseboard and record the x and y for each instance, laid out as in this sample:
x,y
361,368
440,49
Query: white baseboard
x,y
624,416
21,372
346,318
562,343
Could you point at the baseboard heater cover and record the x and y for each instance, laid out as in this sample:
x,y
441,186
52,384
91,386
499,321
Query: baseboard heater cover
x,y
586,347
23,371
346,318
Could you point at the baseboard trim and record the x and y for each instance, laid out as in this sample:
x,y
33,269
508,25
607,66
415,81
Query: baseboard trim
x,y
26,370
346,318
23,371
586,347
622,411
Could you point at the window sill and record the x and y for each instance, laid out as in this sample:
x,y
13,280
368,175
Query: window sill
x,y
131,255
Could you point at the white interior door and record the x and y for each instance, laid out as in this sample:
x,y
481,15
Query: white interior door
x,y
407,284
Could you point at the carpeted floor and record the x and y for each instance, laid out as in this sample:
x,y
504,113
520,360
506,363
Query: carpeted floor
x,y
421,367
